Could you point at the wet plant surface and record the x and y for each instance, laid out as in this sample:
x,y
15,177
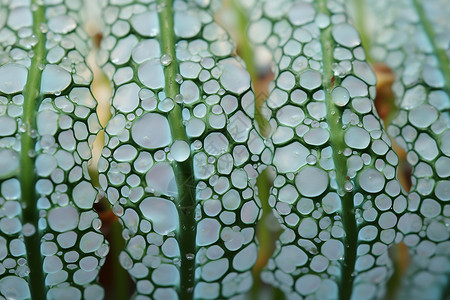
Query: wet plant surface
x,y
191,139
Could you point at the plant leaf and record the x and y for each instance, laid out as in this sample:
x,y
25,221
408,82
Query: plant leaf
x,y
412,39
182,154
335,192
50,245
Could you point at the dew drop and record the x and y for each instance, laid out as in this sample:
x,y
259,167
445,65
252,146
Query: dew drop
x,y
166,60
346,35
348,186
180,151
340,96
12,78
371,180
151,131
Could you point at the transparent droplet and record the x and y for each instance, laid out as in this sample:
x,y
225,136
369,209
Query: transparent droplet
x,y
348,186
166,60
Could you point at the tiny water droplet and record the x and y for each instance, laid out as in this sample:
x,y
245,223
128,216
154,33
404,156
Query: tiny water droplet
x,y
31,153
179,98
348,186
43,28
179,78
166,60
311,159
33,134
190,256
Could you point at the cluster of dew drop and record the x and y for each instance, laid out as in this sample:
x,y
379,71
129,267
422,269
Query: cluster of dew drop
x,y
72,248
137,167
422,129
315,125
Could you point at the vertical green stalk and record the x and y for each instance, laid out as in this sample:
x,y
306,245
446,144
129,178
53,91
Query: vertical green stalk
x,y
120,278
30,214
334,115
183,170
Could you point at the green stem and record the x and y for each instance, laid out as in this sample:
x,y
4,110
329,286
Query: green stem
x,y
183,170
120,278
334,115
441,55
30,214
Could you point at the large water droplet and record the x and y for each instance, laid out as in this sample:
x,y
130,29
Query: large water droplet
x,y
151,131
161,212
180,150
13,78
54,79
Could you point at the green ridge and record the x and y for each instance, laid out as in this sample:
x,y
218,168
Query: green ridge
x,y
183,170
30,213
334,116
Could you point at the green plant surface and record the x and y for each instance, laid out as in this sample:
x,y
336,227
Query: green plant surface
x,y
412,39
336,184
50,243
182,153
188,145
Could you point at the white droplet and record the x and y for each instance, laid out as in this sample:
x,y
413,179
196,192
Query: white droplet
x,y
62,219
84,195
13,78
146,23
317,136
14,287
310,79
311,181
207,232
161,180
9,163
151,74
301,13
151,131
357,138
346,35
54,79
162,213
126,98
290,158
246,258
234,77
308,284
166,59
62,24
371,180
340,96
186,24
333,249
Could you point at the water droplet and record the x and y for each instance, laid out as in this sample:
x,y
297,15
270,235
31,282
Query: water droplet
x,y
166,60
348,186
43,27
311,159
180,150
12,78
190,256
340,96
